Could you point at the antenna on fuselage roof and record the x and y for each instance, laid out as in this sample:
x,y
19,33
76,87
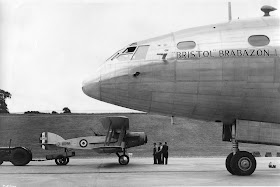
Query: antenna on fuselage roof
x,y
266,9
229,11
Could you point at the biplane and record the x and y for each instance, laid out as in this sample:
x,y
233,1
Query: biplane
x,y
117,140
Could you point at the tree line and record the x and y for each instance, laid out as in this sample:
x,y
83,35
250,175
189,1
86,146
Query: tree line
x,y
4,108
65,110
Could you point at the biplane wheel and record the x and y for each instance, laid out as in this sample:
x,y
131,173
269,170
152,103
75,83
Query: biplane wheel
x,y
62,161
123,160
57,161
65,160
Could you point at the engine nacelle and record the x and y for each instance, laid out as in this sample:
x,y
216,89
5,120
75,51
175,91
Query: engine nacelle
x,y
133,139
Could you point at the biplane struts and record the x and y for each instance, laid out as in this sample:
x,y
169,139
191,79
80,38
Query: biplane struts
x,y
116,140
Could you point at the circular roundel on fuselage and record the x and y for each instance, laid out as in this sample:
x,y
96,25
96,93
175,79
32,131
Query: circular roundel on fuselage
x,y
83,143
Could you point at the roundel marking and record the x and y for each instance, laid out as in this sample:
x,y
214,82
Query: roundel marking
x,y
83,143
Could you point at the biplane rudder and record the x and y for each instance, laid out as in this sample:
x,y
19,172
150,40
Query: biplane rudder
x,y
49,141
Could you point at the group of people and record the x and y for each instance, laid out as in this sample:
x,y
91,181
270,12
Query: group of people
x,y
160,153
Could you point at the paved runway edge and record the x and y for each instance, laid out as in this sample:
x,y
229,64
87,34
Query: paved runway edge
x,y
139,172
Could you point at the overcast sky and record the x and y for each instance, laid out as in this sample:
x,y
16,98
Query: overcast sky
x,y
49,47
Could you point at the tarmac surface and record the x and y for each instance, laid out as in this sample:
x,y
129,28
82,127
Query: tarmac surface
x,y
139,172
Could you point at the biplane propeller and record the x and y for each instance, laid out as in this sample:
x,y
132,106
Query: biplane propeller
x,y
117,140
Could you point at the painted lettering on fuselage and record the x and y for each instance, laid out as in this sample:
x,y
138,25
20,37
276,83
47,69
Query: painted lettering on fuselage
x,y
65,143
181,55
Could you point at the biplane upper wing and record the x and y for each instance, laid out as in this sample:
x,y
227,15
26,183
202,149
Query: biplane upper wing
x,y
115,122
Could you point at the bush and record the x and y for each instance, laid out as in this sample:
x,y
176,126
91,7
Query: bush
x,y
66,110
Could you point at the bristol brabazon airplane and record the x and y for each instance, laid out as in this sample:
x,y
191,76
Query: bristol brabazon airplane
x,y
227,72
116,141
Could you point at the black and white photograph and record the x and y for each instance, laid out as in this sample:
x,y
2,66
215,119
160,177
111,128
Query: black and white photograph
x,y
139,93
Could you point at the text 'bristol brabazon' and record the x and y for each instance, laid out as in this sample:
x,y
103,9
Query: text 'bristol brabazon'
x,y
225,53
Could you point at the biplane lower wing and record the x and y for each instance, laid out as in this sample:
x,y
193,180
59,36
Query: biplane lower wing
x,y
108,149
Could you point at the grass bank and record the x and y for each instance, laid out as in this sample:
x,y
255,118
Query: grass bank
x,y
187,138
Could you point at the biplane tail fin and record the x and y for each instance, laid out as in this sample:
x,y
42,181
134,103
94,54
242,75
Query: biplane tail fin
x,y
49,140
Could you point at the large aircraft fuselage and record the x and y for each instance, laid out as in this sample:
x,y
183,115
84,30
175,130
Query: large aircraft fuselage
x,y
221,77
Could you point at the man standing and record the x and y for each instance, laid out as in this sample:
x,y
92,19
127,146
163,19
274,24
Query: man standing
x,y
155,153
160,158
165,153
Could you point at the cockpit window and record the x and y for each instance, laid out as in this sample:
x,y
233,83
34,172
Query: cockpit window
x,y
129,50
141,53
124,57
114,55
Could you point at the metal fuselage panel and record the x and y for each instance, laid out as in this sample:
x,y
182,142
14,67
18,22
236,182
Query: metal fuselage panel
x,y
222,78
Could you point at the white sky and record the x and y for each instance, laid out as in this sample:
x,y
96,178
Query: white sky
x,y
48,47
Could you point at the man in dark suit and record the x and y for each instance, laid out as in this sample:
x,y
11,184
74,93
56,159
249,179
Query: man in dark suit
x,y
160,158
165,153
155,153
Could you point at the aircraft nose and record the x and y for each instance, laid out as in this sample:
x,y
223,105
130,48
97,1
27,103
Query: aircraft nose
x,y
91,87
